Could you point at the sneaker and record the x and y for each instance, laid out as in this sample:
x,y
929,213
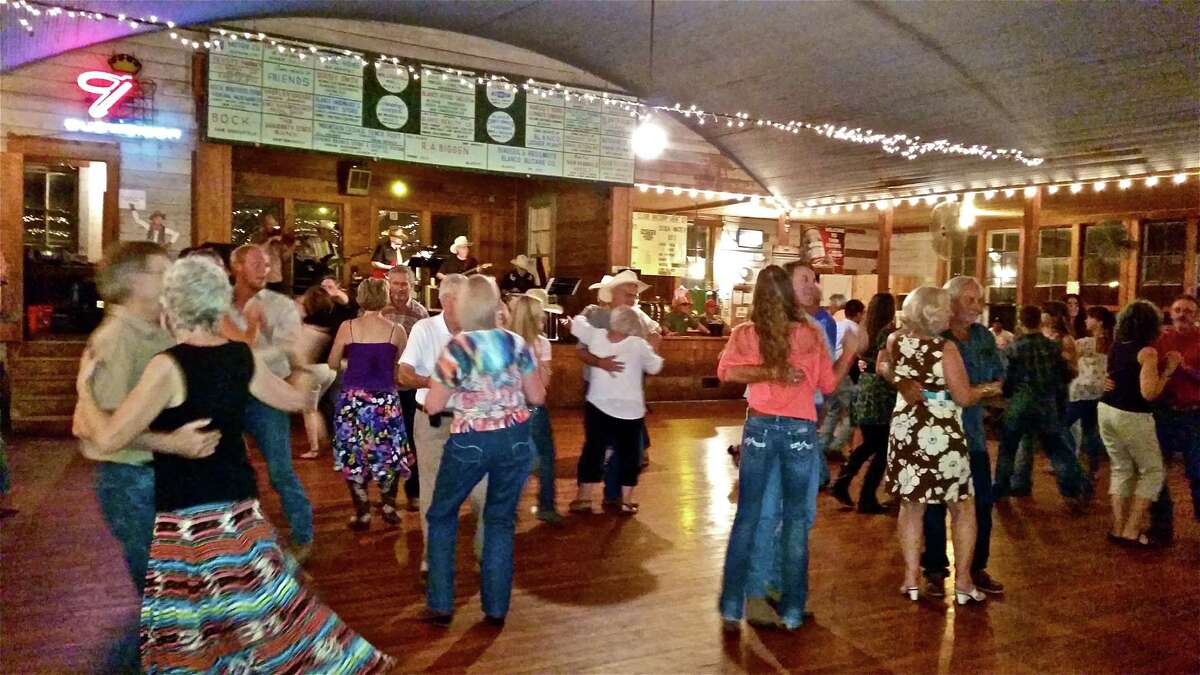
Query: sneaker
x,y
985,583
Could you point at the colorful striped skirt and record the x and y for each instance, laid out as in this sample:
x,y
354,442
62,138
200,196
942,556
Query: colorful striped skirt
x,y
221,596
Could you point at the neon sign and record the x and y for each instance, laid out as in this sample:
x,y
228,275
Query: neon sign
x,y
126,130
110,88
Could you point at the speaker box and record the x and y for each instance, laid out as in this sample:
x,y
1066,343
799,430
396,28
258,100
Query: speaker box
x,y
353,179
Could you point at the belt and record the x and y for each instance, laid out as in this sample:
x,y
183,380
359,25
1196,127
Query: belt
x,y
440,415
751,412
936,395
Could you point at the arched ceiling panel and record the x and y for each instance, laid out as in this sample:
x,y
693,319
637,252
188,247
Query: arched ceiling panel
x,y
1098,89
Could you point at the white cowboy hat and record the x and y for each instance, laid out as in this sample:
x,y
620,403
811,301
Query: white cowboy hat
x,y
523,262
543,297
600,284
624,277
603,293
459,242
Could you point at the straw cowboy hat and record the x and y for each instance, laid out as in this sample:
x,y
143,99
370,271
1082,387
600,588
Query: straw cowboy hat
x,y
459,242
543,297
624,277
397,231
524,263
603,294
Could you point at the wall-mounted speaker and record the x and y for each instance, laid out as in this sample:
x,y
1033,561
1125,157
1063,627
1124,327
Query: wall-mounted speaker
x,y
353,179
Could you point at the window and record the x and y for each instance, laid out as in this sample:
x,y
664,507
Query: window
x,y
248,216
51,208
539,241
318,250
1103,245
1160,278
697,253
1002,265
963,256
1053,263
447,226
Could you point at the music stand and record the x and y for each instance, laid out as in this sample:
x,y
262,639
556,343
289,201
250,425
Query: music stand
x,y
562,287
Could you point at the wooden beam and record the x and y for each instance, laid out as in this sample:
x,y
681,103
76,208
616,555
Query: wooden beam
x,y
883,266
212,193
981,259
1075,263
1130,263
696,207
1027,270
620,246
12,249
1190,255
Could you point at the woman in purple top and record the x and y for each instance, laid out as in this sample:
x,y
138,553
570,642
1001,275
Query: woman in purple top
x,y
369,439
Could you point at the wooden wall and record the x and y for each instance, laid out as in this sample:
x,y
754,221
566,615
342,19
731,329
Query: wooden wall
x,y
35,99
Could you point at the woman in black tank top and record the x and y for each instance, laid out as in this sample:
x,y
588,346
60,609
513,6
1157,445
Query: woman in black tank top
x,y
216,575
1127,423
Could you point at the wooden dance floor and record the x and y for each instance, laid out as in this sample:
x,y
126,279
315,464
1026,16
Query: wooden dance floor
x,y
638,595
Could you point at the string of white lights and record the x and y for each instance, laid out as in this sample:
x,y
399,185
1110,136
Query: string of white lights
x,y
833,205
905,145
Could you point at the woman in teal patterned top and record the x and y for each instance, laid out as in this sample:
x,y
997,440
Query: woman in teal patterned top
x,y
487,377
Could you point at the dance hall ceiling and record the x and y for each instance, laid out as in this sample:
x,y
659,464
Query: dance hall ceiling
x,y
1098,89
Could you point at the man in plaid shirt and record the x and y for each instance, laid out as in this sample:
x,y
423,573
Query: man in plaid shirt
x,y
1036,386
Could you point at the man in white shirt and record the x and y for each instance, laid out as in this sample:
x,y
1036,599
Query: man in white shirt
x,y
426,342
270,323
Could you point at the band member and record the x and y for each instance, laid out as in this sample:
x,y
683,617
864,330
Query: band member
x,y
390,252
460,261
522,277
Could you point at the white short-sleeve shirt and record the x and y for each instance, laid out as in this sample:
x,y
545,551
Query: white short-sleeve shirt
x,y
621,394
425,344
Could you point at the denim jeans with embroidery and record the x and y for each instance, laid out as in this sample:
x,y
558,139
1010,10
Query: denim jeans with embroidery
x,y
778,477
505,456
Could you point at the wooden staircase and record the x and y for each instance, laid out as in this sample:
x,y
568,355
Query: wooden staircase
x,y
42,382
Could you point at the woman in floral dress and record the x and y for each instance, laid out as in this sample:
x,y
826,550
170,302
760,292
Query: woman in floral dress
x,y
927,449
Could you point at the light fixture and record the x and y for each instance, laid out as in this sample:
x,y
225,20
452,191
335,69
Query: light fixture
x,y
1152,181
1125,183
1076,188
1099,186
1052,189
1031,191
1114,284
1179,178
966,213
1010,192
649,140
323,210
988,194
398,188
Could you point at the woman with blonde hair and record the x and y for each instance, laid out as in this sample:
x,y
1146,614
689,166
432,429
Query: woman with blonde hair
x,y
528,314
927,448
369,439
220,595
782,356
487,378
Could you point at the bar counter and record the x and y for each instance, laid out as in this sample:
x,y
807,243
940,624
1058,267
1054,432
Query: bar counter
x,y
689,374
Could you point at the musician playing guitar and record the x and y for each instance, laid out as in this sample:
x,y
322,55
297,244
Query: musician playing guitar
x,y
390,253
460,261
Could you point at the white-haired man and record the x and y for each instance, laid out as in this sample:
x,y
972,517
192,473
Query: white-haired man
x,y
982,360
270,323
426,342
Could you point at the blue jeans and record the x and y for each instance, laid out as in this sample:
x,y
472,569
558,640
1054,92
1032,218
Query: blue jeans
x,y
1091,444
126,496
786,447
543,441
271,430
504,456
1178,432
1027,416
933,558
835,428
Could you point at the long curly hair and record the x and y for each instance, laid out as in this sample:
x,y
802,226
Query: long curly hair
x,y
881,313
773,313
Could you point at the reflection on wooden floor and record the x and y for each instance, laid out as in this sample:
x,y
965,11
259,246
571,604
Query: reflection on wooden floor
x,y
619,595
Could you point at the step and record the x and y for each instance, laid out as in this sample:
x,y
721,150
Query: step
x,y
43,348
44,425
25,406
56,367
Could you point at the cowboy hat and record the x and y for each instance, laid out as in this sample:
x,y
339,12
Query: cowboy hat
x,y
603,293
543,297
523,262
625,277
397,231
459,242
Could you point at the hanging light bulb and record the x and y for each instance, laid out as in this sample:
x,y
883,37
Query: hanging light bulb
x,y
1031,191
649,140
1179,178
1152,181
1076,188
1099,186
1125,183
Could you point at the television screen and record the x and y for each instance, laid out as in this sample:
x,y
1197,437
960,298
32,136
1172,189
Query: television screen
x,y
749,238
